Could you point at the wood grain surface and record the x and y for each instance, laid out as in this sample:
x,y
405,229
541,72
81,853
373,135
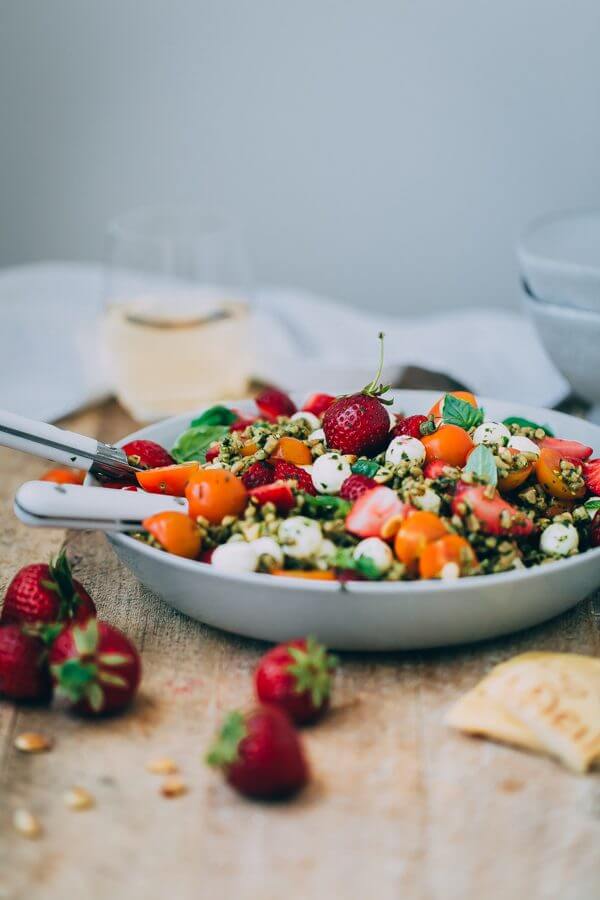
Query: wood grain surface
x,y
399,805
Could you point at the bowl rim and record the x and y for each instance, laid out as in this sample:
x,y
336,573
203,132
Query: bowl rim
x,y
524,253
469,583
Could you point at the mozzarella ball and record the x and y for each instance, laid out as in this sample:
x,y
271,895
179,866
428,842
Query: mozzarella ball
x,y
377,551
329,472
523,444
317,437
491,433
449,571
237,556
300,537
405,449
268,546
327,550
311,420
428,500
559,539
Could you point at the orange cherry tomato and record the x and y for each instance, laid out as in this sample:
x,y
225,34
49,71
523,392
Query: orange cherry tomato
x,y
547,471
449,443
167,479
312,574
516,477
64,476
418,530
250,449
467,396
452,550
214,494
176,532
293,450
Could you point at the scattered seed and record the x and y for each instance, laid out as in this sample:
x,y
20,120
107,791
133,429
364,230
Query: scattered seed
x,y
77,798
27,824
173,786
162,766
33,742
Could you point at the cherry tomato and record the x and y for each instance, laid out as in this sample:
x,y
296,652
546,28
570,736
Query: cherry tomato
x,y
312,574
64,476
214,494
418,530
250,449
452,550
547,470
176,532
167,479
293,450
515,477
449,443
467,396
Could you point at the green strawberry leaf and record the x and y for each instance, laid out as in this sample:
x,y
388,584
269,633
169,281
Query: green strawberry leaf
x,y
365,467
344,559
216,415
74,678
481,463
459,412
86,637
194,442
224,751
95,696
311,669
527,423
113,659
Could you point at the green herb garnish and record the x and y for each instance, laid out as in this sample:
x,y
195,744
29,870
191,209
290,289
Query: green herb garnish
x,y
458,412
481,463
527,423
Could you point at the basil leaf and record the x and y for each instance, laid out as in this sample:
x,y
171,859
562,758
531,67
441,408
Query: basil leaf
x,y
481,463
216,415
365,467
459,412
326,505
592,505
527,423
344,559
193,443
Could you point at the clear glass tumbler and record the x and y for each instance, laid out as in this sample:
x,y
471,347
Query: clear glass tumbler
x,y
177,330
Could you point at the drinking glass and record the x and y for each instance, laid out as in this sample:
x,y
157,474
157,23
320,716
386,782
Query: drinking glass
x,y
177,311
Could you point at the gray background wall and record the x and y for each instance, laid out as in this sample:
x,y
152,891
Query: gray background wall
x,y
384,152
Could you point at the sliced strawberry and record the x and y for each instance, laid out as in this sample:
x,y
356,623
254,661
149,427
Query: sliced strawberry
x,y
591,476
435,469
471,498
371,510
568,449
410,426
355,486
318,403
273,403
258,474
213,452
147,454
279,494
284,471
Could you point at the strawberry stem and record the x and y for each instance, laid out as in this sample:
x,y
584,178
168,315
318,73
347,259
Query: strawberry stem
x,y
312,669
375,388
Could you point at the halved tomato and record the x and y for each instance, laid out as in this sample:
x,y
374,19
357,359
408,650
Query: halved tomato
x,y
548,474
293,450
170,480
415,533
450,556
176,532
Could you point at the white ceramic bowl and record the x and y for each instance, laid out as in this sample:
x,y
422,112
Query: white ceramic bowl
x,y
559,258
367,615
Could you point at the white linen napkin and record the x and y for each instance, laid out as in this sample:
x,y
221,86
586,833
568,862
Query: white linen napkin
x,y
50,357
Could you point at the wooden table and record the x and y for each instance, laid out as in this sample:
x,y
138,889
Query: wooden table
x,y
399,806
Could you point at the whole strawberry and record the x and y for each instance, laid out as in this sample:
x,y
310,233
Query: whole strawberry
x,y
24,673
296,677
318,403
260,754
284,471
47,593
356,485
410,426
273,403
147,454
96,667
359,423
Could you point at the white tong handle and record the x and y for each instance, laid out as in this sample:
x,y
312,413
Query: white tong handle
x,y
48,441
48,505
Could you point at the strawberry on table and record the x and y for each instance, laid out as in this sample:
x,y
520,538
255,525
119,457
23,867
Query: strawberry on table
x,y
359,423
495,514
273,403
260,754
296,677
591,476
147,454
318,403
96,667
24,673
47,593
286,471
279,494
355,486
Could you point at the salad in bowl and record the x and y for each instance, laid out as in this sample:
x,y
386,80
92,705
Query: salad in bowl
x,y
350,488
